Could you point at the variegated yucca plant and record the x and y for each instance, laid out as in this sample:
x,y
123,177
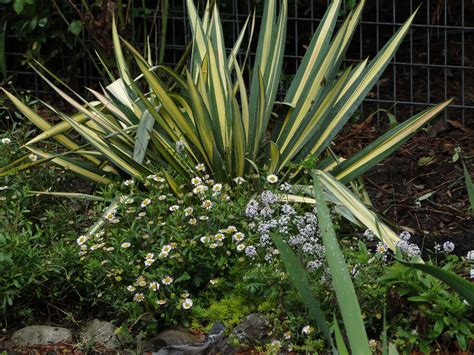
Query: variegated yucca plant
x,y
223,121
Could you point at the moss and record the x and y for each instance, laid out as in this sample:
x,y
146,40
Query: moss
x,y
230,311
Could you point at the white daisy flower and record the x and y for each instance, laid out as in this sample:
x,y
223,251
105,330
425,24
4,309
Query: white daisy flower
x,y
128,182
207,204
307,329
3,187
238,237
167,280
188,211
154,286
125,245
187,303
200,167
161,302
162,197
192,221
141,281
196,181
203,218
149,262
139,297
272,178
174,208
131,288
81,240
166,248
145,202
241,247
239,180
6,140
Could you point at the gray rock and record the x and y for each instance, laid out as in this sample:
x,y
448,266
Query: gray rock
x,y
252,329
171,338
101,332
41,335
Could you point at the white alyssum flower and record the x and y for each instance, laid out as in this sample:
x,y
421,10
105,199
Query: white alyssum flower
x,y
470,255
180,145
128,182
448,247
187,303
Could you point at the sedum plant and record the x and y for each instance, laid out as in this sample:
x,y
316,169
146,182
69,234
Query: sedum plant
x,y
210,115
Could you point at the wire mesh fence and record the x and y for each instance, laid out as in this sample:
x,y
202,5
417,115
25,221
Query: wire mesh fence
x,y
435,62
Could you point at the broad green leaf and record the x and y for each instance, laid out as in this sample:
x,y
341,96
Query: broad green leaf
x,y
341,279
469,187
299,279
464,288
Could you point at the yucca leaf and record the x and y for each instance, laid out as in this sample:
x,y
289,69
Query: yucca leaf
x,y
267,71
341,279
143,136
316,85
202,119
358,209
299,279
464,288
274,157
72,195
356,94
385,145
316,49
119,57
75,167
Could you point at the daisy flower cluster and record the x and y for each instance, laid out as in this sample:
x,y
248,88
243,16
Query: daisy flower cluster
x,y
154,246
268,213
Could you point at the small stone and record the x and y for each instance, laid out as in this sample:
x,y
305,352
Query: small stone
x,y
252,330
41,335
171,337
101,332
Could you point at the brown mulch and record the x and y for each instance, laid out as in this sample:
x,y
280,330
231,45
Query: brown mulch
x,y
419,188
